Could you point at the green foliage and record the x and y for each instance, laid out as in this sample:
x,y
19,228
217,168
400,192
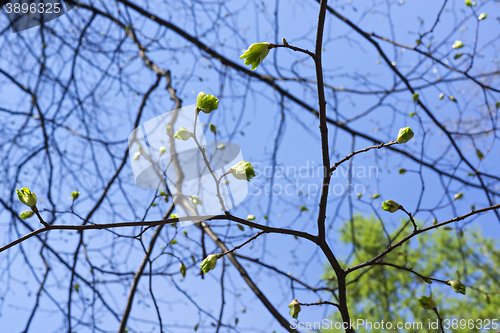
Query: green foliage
x,y
390,294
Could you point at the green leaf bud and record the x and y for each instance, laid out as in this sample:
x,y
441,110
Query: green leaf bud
x,y
74,195
390,206
183,269
243,170
183,134
458,44
255,54
26,197
206,103
213,129
479,154
26,214
294,309
457,286
209,263
405,134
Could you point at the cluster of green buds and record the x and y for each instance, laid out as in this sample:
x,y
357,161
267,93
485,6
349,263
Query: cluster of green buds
x,y
457,286
209,263
255,54
294,309
243,170
427,303
390,206
404,135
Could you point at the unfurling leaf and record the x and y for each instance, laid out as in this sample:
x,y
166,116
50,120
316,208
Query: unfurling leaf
x,y
255,54
294,309
457,286
427,303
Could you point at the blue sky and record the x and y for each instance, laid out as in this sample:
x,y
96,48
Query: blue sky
x,y
251,119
